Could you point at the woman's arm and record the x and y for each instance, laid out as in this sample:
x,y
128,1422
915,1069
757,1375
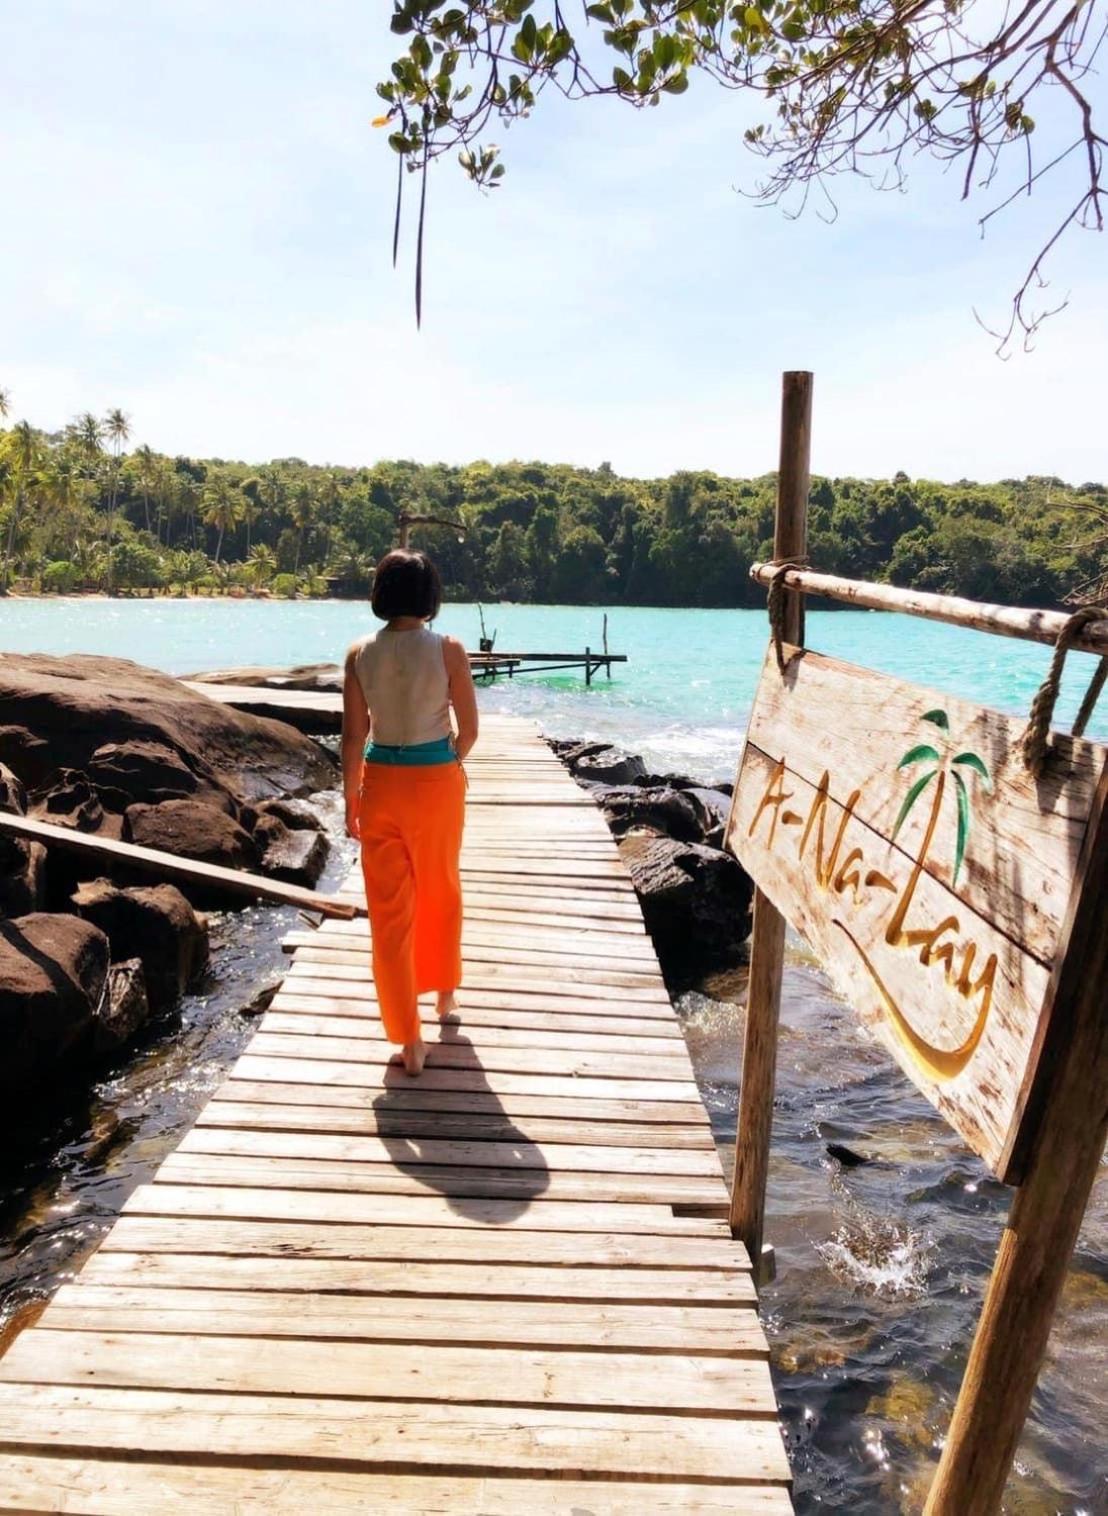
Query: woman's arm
x,y
355,730
463,695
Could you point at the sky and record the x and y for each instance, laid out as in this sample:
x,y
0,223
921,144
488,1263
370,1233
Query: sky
x,y
197,228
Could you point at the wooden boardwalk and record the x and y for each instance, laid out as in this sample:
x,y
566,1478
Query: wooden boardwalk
x,y
503,1288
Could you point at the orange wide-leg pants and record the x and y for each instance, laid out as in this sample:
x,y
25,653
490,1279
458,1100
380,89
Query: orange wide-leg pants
x,y
410,821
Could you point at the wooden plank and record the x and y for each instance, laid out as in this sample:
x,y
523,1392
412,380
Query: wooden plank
x,y
598,1019
583,983
360,1031
427,1370
478,1081
595,966
523,998
472,1125
432,1211
172,866
520,1154
484,1281
36,1482
554,1324
424,1434
461,1052
255,1238
412,1097
458,1182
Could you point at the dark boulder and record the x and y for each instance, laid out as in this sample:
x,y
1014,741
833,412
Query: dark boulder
x,y
191,829
146,772
695,902
124,1008
295,856
58,712
53,975
296,814
22,864
713,807
155,924
70,800
608,766
664,810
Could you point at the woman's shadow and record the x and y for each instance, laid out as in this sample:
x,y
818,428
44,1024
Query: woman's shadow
x,y
420,1120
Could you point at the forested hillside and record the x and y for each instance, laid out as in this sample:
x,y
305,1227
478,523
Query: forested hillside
x,y
80,511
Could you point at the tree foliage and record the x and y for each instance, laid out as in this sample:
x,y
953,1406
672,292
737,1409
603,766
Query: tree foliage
x,y
74,517
847,86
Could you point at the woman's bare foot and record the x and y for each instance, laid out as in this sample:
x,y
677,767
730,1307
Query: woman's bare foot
x,y
446,1005
412,1056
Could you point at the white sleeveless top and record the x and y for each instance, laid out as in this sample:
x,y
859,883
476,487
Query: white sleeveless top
x,y
403,677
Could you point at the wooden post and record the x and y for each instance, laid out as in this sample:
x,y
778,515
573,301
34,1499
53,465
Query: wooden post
x,y
588,668
767,942
1037,1243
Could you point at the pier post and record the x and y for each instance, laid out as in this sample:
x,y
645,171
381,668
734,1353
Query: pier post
x,y
767,942
1043,1223
588,667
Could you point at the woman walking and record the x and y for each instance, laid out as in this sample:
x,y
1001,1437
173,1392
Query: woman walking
x,y
405,793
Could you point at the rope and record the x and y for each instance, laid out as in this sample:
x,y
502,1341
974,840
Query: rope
x,y
775,605
1034,744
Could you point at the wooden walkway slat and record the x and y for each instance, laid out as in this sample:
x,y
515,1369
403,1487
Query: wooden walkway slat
x,y
506,1287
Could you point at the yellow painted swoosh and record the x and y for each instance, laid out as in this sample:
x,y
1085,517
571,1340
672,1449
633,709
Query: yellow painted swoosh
x,y
935,1063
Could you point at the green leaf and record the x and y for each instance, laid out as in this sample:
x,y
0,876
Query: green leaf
x,y
677,85
910,799
963,824
972,761
938,718
923,751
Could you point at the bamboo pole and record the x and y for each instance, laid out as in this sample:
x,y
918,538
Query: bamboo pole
x,y
1003,620
1037,1243
767,943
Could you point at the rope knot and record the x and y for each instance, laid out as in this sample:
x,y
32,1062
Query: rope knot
x,y
775,604
1034,745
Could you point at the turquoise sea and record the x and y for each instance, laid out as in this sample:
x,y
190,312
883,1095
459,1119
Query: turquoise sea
x,y
681,700
881,1268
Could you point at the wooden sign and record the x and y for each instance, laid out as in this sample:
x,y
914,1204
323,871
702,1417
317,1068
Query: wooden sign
x,y
898,830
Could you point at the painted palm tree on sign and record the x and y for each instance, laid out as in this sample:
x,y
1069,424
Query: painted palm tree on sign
x,y
962,767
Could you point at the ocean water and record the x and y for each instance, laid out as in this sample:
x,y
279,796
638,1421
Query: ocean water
x,y
682,698
880,1268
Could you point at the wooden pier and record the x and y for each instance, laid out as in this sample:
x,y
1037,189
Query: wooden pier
x,y
506,1287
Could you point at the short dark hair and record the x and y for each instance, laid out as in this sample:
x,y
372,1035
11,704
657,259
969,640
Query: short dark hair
x,y
406,584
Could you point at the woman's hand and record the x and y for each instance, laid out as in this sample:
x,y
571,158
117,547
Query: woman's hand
x,y
353,827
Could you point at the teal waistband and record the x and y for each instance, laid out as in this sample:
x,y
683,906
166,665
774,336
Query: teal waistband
x,y
414,754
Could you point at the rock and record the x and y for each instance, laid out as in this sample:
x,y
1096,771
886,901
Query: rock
x,y
664,810
191,830
695,901
53,973
128,773
13,796
155,924
608,766
22,864
297,814
69,801
22,876
123,1009
844,1155
714,807
321,678
57,713
297,857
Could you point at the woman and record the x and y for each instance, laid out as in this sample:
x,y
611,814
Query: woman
x,y
405,793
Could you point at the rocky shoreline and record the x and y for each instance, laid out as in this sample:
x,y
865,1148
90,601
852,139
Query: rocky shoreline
x,y
89,952
695,896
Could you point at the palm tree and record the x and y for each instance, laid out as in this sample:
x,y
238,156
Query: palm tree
x,y
5,402
118,428
262,563
25,455
222,508
147,461
303,515
938,766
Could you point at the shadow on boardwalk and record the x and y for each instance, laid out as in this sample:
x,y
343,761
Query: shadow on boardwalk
x,y
407,1120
